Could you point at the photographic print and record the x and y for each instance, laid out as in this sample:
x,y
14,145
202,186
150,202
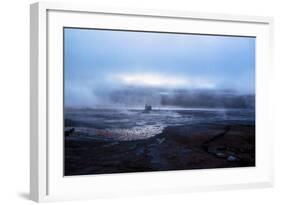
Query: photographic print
x,y
140,101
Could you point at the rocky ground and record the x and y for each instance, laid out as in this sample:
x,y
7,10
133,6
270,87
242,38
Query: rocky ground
x,y
176,148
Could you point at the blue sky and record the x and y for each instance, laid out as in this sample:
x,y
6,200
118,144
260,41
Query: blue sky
x,y
101,60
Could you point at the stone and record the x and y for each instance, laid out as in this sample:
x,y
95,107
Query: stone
x,y
220,154
232,158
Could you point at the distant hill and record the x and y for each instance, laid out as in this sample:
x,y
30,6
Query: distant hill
x,y
138,97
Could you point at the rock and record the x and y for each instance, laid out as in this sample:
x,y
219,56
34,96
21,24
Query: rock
x,y
242,150
160,141
232,158
222,148
221,155
69,132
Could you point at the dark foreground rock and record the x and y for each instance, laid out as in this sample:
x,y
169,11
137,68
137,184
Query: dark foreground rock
x,y
176,148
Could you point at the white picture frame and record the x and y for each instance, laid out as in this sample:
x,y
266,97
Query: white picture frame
x,y
47,182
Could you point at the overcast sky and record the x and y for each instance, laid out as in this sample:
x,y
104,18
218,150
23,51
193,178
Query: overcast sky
x,y
100,61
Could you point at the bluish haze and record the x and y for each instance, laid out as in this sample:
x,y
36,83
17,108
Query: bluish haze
x,y
98,63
